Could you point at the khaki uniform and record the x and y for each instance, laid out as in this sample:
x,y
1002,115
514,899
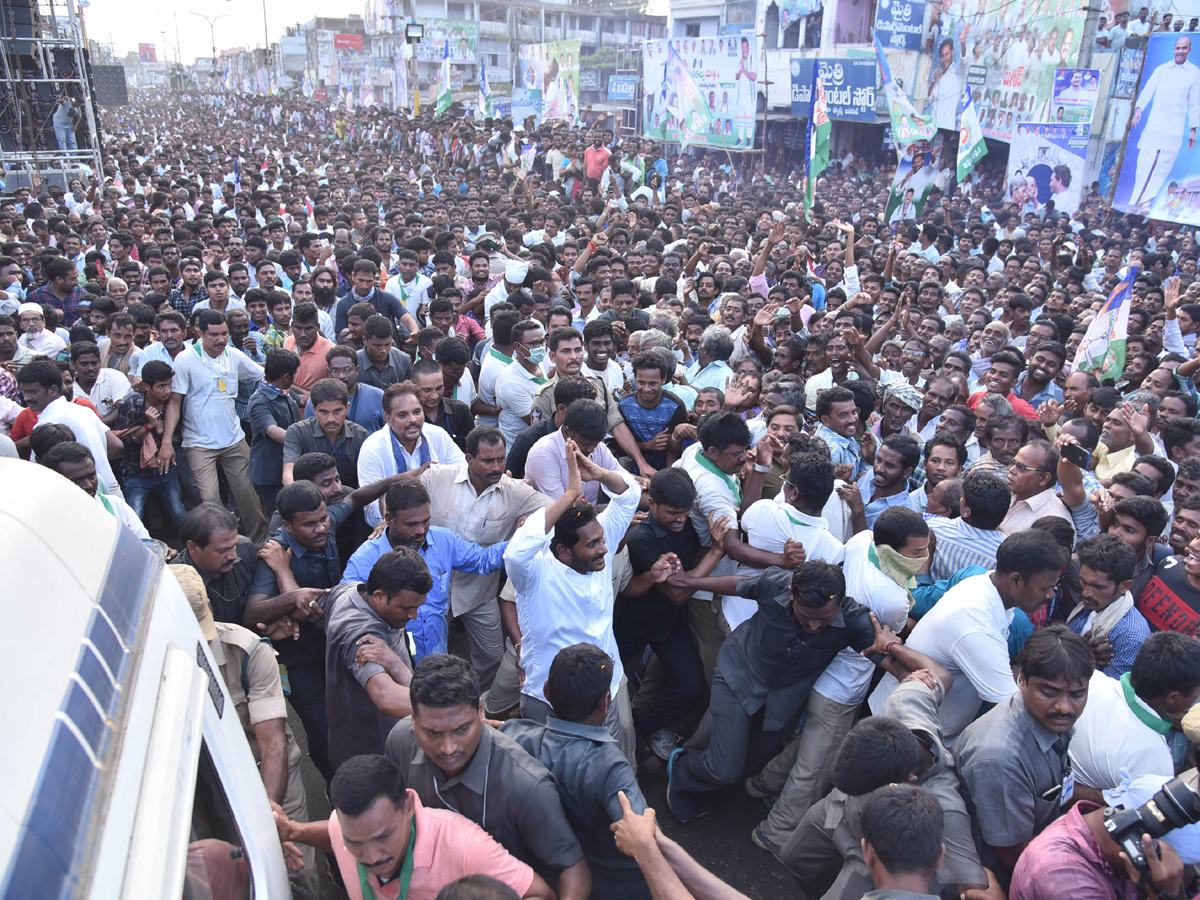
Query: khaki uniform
x,y
251,674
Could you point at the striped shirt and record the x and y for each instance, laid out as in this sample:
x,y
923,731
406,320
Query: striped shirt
x,y
960,544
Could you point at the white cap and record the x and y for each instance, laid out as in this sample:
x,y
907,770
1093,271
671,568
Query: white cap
x,y
515,271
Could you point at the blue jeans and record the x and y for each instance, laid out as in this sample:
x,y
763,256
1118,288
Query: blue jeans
x,y
138,486
65,134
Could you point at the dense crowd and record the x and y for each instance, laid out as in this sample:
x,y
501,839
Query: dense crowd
x,y
523,459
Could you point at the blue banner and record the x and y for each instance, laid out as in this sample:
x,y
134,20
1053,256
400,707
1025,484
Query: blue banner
x,y
849,87
622,87
900,24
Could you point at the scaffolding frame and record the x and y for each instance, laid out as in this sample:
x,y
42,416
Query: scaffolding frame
x,y
34,57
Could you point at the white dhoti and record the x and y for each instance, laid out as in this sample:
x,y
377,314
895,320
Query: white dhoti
x,y
1153,167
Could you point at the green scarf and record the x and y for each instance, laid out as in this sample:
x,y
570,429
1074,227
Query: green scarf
x,y
1147,717
730,481
406,869
901,569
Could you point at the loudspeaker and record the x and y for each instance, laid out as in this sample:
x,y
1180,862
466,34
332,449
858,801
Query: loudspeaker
x,y
20,19
108,85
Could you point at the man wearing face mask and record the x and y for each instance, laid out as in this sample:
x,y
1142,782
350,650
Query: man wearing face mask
x,y
519,382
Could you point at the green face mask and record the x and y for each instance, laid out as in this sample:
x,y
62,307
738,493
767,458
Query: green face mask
x,y
899,568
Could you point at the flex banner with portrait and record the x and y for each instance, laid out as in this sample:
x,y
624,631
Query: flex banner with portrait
x,y
463,38
553,69
1160,176
1047,162
917,173
1007,50
724,70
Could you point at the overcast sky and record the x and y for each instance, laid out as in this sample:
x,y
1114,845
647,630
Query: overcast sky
x,y
127,25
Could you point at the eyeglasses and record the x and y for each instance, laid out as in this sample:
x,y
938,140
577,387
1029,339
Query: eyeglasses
x,y
1025,468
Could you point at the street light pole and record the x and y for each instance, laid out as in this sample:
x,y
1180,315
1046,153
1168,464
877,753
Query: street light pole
x,y
212,27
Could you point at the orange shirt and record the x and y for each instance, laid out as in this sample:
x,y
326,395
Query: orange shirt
x,y
448,847
313,366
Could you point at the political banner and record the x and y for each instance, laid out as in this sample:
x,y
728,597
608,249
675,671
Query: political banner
x,y
463,37
971,145
791,11
849,87
916,175
1160,175
1017,45
622,87
817,151
1075,94
147,53
1128,70
724,70
553,69
907,125
1102,350
1047,161
900,24
525,102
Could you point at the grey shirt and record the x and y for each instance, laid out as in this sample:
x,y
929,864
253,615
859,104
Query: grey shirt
x,y
503,789
1011,773
398,368
306,436
356,725
590,770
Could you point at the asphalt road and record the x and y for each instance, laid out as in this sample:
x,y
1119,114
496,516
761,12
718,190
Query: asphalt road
x,y
719,841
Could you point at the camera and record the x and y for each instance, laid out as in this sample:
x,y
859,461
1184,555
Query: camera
x,y
1175,805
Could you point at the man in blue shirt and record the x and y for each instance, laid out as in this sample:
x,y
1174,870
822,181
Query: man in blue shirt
x,y
408,525
886,482
650,412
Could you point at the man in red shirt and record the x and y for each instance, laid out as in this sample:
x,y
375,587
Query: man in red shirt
x,y
1001,378
595,158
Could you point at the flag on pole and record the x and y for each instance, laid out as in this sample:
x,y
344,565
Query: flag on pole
x,y
237,174
971,145
817,155
485,92
416,99
1102,351
907,125
444,98
682,99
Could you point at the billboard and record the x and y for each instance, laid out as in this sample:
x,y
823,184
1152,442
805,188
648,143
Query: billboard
x,y
343,42
147,53
724,70
1046,161
622,87
463,37
849,87
917,173
1160,175
900,25
791,11
552,69
1075,94
1015,46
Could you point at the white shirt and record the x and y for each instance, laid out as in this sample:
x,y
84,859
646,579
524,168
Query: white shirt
x,y
210,389
412,294
967,632
1173,94
515,390
89,431
612,375
713,493
490,370
153,350
110,388
848,677
124,514
769,525
376,460
1109,737
557,606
